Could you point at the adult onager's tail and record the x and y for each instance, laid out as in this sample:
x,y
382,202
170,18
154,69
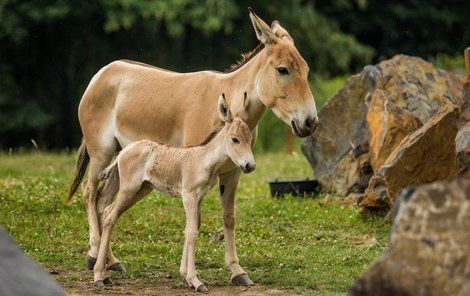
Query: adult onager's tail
x,y
82,163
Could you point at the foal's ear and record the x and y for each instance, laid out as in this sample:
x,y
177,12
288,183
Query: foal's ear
x,y
280,32
224,111
263,31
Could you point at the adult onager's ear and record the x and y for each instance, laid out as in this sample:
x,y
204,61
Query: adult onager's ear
x,y
224,111
280,32
263,31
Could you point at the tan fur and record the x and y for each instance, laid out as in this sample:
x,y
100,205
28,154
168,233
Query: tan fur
x,y
128,101
185,172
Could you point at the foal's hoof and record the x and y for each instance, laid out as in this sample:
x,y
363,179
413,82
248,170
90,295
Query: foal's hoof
x,y
99,285
117,267
90,262
202,289
242,280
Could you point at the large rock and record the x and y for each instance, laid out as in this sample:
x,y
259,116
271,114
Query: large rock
x,y
19,275
351,141
424,156
429,249
463,136
340,138
462,146
388,126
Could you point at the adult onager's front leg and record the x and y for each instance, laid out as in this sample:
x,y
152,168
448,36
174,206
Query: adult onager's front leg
x,y
191,204
228,186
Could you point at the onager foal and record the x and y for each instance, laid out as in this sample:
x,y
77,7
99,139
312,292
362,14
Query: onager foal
x,y
186,172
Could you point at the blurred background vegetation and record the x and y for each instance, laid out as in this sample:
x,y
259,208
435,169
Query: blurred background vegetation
x,y
50,49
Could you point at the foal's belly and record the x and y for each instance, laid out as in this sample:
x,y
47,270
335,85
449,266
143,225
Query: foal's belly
x,y
167,189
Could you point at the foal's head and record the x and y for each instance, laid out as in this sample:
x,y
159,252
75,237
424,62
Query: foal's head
x,y
282,81
237,137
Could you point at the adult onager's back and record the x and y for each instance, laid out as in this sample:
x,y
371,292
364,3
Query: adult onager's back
x,y
128,101
185,172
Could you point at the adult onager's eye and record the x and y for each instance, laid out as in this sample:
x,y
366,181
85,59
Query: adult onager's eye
x,y
235,140
282,70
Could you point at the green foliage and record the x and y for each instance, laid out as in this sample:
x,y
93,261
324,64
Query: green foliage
x,y
314,246
49,50
454,64
414,27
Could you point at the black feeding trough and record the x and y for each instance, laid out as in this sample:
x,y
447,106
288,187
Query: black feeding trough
x,y
305,187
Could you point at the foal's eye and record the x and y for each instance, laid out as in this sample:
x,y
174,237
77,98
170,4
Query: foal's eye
x,y
235,140
282,70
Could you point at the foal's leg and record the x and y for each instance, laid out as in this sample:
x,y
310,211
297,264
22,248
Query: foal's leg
x,y
184,257
228,186
128,196
110,189
191,204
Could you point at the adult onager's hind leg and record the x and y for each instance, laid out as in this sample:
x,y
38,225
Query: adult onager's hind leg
x,y
127,197
105,198
97,164
228,183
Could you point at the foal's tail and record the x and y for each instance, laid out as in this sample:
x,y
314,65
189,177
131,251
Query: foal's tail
x,y
107,171
82,163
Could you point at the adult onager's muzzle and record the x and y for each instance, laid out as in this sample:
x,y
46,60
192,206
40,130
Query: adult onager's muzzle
x,y
304,128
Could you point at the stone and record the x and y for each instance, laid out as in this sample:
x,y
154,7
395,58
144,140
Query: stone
x,y
424,156
340,138
462,141
19,275
429,248
462,146
351,142
388,126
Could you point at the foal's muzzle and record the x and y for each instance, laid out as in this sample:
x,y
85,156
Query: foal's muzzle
x,y
305,128
248,167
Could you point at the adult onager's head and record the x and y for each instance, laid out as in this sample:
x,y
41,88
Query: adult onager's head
x,y
282,81
238,138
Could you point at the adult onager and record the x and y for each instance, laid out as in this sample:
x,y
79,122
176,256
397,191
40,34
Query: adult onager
x,y
185,172
128,101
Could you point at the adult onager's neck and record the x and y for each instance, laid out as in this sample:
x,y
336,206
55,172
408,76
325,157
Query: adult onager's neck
x,y
244,80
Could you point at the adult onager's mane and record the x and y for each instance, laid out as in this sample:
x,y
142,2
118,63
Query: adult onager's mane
x,y
210,137
246,57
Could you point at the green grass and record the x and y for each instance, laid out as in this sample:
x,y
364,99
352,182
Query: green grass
x,y
315,245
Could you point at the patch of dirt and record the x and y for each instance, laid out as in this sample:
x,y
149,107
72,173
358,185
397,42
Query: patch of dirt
x,y
159,286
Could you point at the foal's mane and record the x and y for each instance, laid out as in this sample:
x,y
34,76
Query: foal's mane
x,y
246,57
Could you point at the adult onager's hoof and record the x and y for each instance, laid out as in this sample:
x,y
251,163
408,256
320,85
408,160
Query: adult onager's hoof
x,y
90,262
202,289
117,267
101,284
107,281
242,280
